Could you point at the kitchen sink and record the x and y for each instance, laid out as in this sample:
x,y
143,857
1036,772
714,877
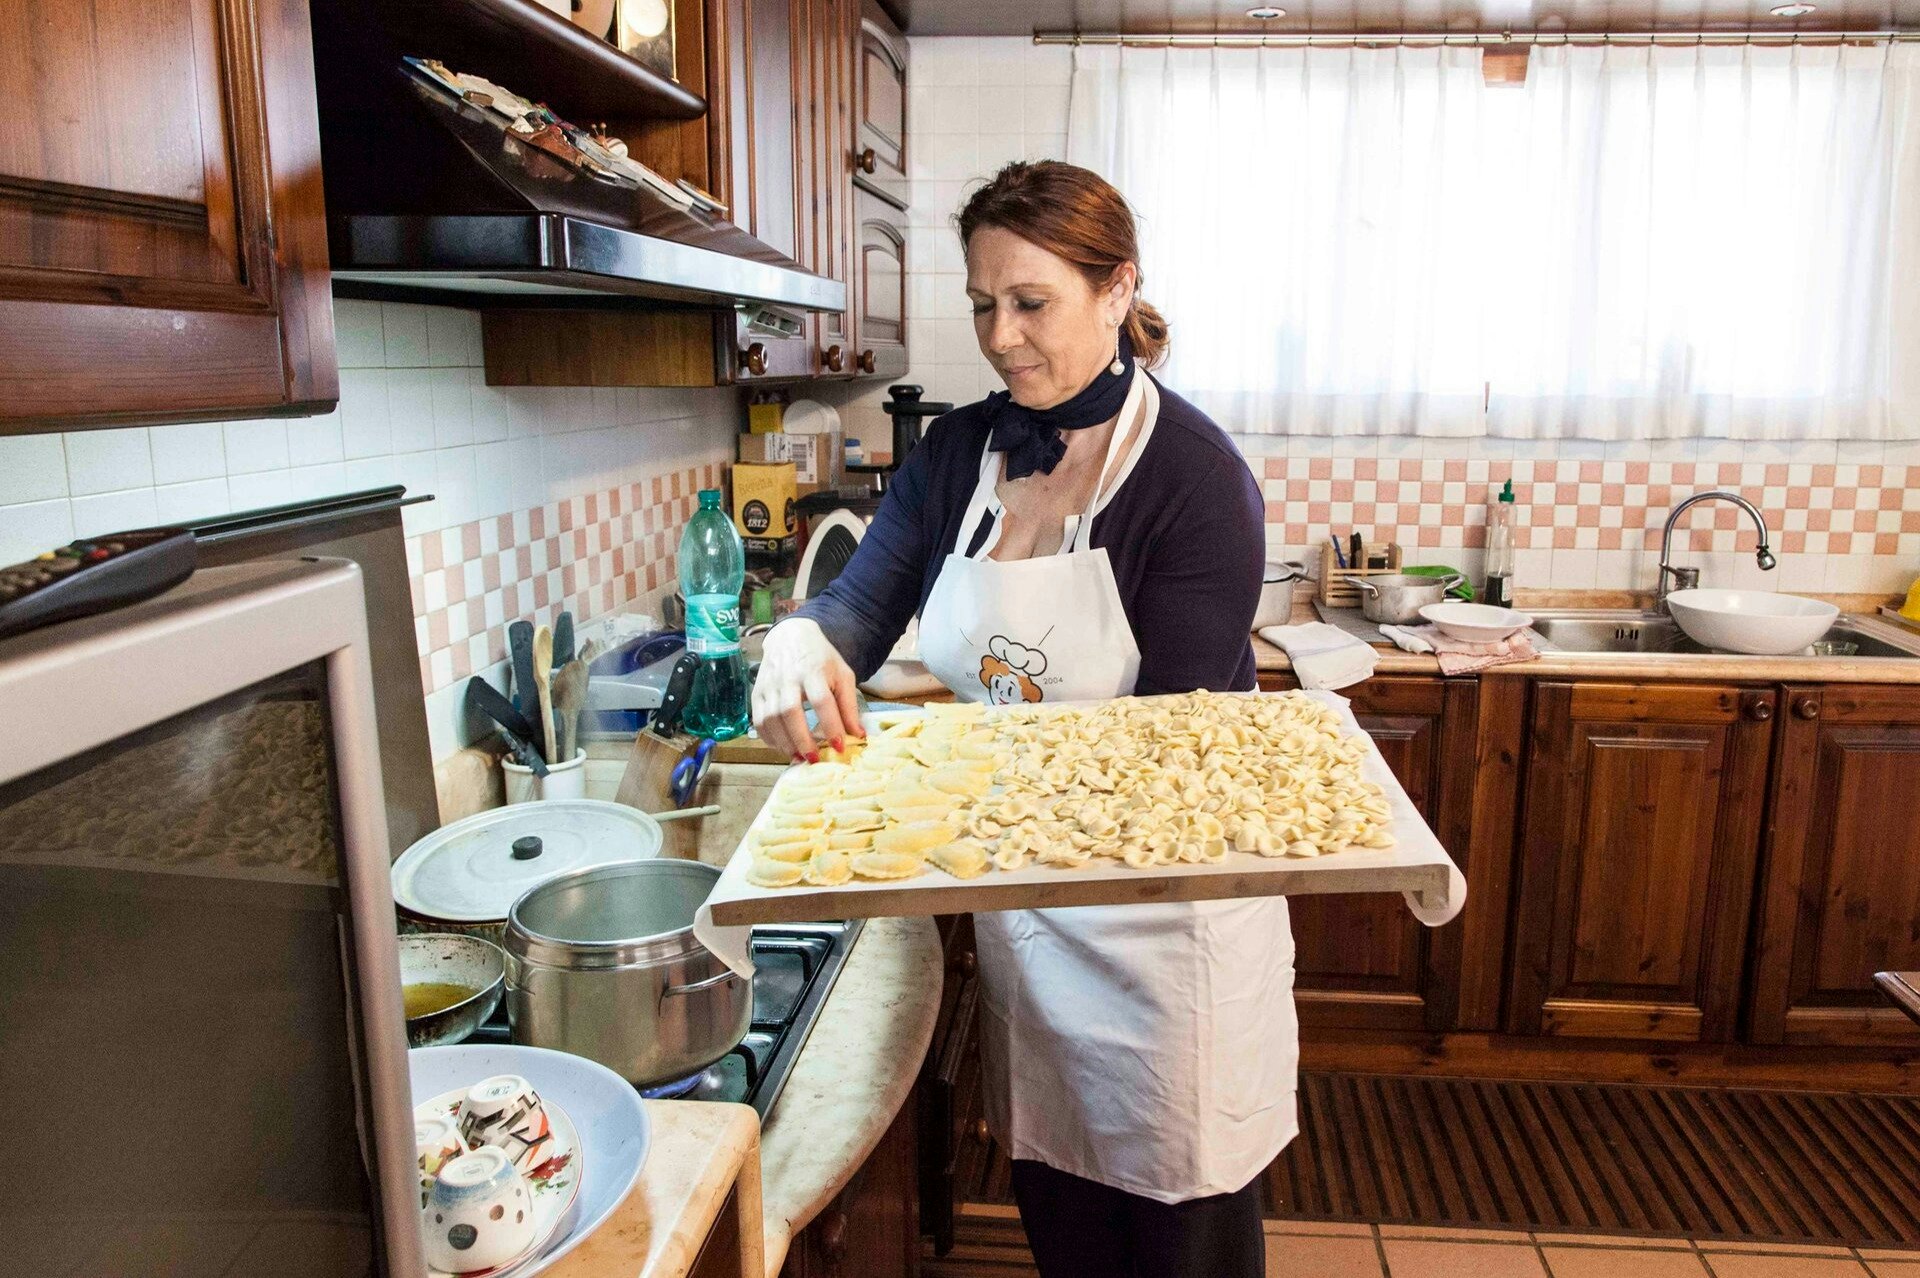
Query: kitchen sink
x,y
1632,633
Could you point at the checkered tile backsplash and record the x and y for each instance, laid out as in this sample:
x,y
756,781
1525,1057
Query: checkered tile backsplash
x,y
590,555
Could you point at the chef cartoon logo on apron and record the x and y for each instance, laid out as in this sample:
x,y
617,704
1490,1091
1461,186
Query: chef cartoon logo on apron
x,y
1010,672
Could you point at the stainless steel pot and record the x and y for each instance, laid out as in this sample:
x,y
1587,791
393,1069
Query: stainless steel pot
x,y
1276,594
602,963
1393,599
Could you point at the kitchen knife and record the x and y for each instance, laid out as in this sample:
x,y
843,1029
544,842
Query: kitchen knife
x,y
673,701
562,640
514,728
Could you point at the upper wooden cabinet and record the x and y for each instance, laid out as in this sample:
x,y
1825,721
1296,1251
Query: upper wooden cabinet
x,y
829,170
880,155
1640,830
162,235
1841,884
879,288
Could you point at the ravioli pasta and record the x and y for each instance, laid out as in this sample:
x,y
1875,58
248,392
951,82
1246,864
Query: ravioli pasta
x,y
1142,782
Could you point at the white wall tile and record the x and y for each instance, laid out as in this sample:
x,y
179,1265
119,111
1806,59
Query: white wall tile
x,y
1044,108
452,408
101,461
489,407
254,446
410,409
943,60
261,488
358,340
32,468
453,337
406,334
364,427
29,528
194,500
454,474
312,441
192,450
493,479
114,512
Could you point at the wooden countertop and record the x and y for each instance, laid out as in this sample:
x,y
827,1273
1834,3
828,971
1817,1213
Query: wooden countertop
x,y
700,1152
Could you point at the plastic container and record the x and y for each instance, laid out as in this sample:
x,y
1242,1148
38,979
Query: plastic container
x,y
563,780
1499,591
713,567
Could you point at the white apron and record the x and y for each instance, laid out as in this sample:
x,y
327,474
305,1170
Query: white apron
x,y
1152,1048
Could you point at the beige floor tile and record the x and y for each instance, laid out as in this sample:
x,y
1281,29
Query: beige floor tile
x,y
1324,1228
1622,1262
1318,1256
1752,1265
1410,1259
1888,1253
1442,1233
1894,1268
1774,1248
1640,1242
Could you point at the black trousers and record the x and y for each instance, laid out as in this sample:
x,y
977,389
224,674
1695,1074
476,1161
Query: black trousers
x,y
1079,1228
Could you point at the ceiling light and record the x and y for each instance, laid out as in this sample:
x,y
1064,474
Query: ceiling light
x,y
1792,10
1266,13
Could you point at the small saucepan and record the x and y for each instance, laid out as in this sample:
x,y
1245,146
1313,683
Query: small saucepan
x,y
1394,599
452,983
1276,594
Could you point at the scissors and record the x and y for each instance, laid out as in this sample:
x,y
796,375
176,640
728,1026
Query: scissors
x,y
690,771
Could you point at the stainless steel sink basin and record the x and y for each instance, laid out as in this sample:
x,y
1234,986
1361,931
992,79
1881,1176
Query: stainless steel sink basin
x,y
1628,633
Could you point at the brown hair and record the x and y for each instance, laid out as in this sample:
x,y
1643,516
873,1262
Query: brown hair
x,y
1075,214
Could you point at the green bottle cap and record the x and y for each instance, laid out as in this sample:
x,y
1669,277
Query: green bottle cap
x,y
710,498
1506,494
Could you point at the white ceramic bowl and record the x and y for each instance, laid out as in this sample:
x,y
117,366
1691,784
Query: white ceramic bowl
x,y
1760,622
1475,623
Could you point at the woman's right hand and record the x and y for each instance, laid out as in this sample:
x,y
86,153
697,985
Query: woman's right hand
x,y
799,666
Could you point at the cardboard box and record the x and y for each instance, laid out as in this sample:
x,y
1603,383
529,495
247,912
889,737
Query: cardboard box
x,y
763,497
819,461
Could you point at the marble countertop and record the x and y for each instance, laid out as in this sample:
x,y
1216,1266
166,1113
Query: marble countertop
x,y
700,1151
1269,657
858,1068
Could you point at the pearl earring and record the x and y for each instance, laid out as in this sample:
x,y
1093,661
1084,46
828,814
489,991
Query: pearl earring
x,y
1116,368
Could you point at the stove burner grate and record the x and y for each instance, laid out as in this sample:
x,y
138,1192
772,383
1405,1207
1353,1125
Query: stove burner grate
x,y
675,1089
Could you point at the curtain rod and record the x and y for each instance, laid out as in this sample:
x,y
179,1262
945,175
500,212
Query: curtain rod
x,y
1286,39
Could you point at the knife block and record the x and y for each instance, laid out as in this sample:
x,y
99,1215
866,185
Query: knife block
x,y
647,784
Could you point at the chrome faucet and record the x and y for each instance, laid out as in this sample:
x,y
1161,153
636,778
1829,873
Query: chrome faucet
x,y
1688,578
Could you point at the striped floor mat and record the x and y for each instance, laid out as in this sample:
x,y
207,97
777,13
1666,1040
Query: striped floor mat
x,y
1701,1163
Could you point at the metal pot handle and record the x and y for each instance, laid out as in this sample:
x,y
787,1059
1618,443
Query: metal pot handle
x,y
697,986
1361,583
1295,571
1452,579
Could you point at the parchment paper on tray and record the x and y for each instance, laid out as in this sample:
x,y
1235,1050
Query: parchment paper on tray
x,y
1414,864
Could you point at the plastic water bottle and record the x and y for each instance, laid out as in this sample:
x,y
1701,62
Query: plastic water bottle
x,y
712,568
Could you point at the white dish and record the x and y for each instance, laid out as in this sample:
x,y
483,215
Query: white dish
x,y
1475,623
594,1099
553,1187
1758,622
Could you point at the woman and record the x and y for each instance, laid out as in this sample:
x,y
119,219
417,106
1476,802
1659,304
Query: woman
x,y
1083,535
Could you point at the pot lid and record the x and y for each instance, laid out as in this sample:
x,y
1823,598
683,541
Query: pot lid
x,y
475,869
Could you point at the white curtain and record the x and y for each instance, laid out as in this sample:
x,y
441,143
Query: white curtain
x,y
1639,243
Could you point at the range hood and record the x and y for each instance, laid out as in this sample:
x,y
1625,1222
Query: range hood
x,y
429,199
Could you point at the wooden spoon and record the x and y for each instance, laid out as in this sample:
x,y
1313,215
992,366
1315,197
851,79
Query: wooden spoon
x,y
543,683
569,699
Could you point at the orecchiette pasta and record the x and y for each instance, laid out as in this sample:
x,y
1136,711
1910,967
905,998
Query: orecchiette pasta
x,y
1144,781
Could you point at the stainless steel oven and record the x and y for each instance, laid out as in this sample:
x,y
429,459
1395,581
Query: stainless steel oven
x,y
202,1046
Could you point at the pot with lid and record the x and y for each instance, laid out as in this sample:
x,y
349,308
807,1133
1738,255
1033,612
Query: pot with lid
x,y
602,962
465,876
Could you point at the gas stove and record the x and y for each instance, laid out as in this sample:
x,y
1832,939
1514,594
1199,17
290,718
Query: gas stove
x,y
795,968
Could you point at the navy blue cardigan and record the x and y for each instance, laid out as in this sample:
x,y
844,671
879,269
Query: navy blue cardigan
x,y
1185,534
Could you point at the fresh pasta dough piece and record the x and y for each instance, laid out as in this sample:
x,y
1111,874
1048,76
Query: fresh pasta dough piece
x,y
887,865
962,858
852,748
794,853
829,867
915,837
1010,858
918,805
788,820
814,777
961,779
852,841
774,874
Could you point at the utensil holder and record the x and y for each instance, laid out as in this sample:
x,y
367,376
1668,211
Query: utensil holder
x,y
1336,583
563,780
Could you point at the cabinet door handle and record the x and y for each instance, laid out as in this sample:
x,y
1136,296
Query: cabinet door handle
x,y
980,1132
754,359
866,161
866,361
1807,707
833,1235
965,963
1760,709
834,358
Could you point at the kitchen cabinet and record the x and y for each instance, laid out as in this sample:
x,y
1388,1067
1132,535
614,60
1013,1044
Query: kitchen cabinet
x,y
880,165
163,250
1638,840
1840,883
953,1138
879,288
872,1227
829,169
1364,961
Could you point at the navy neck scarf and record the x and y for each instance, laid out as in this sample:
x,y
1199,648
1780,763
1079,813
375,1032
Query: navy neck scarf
x,y
1030,437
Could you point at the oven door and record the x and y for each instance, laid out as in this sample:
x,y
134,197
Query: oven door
x,y
200,1025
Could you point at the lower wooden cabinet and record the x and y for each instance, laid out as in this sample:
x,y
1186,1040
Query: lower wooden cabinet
x,y
872,1227
1841,875
1641,825
1364,962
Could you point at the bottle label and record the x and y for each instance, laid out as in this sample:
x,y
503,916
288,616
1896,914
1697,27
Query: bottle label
x,y
713,625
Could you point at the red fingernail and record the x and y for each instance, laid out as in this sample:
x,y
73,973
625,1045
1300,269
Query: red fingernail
x,y
798,759
839,744
813,756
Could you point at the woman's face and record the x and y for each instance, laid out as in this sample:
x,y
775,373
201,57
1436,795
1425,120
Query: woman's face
x,y
1041,327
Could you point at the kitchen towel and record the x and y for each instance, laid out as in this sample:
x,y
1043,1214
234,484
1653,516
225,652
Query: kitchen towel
x,y
1457,656
1323,656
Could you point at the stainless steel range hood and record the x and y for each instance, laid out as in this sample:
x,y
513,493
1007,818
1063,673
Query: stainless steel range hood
x,y
429,198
